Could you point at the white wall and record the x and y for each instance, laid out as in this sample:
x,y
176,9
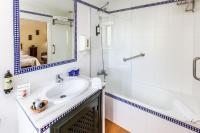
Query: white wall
x,y
196,84
84,30
96,49
168,36
8,113
91,20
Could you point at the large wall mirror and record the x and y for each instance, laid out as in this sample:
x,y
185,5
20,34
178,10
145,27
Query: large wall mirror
x,y
45,33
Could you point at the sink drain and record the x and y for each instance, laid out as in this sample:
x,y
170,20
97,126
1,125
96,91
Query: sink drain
x,y
63,96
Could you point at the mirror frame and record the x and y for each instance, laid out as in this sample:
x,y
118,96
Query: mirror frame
x,y
16,30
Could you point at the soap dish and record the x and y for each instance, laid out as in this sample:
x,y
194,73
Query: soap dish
x,y
40,109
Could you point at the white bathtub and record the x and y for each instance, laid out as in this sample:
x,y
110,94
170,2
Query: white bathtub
x,y
148,102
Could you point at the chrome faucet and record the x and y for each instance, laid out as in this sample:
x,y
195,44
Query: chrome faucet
x,y
102,72
59,78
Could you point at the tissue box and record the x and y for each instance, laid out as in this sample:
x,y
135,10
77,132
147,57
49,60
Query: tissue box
x,y
23,90
75,72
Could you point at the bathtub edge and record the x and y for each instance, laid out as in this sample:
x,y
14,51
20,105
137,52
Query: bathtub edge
x,y
152,112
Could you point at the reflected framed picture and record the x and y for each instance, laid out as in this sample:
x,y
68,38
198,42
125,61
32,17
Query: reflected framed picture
x,y
30,37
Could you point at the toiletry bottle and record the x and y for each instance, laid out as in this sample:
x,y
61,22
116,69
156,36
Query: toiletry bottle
x,y
8,82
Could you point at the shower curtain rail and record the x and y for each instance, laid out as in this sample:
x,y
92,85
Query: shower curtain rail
x,y
133,57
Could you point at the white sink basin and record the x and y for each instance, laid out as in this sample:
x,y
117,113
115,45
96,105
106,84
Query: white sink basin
x,y
68,89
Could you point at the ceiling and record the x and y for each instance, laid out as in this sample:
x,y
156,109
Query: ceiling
x,y
56,5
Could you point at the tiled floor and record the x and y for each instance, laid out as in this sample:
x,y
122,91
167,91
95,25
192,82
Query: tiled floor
x,y
113,128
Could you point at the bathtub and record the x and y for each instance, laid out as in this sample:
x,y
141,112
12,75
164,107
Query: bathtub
x,y
152,110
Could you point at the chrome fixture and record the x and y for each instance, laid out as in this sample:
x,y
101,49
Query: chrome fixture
x,y
134,57
98,32
59,78
195,68
190,4
103,72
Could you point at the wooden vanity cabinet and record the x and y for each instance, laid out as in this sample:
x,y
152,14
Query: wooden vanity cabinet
x,y
86,118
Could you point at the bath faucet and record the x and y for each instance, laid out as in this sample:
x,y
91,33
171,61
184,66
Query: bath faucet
x,y
102,72
59,79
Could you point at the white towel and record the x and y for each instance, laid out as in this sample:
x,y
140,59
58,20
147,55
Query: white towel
x,y
96,83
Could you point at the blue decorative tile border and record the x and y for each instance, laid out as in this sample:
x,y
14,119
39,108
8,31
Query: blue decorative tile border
x,y
162,116
144,6
130,8
16,32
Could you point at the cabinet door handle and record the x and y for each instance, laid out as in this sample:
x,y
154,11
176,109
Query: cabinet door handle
x,y
54,49
195,68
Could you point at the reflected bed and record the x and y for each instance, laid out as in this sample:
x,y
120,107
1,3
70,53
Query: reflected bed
x,y
29,61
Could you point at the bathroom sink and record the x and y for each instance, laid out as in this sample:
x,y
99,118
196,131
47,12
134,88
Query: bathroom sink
x,y
68,89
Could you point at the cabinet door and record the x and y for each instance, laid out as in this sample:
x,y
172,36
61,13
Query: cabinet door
x,y
85,119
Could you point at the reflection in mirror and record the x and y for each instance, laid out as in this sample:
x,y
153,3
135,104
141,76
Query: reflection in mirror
x,y
46,32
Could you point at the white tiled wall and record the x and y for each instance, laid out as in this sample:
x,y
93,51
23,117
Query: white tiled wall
x,y
196,86
96,61
168,36
165,35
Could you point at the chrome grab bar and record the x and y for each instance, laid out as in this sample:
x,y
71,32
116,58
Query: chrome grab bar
x,y
133,57
195,68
